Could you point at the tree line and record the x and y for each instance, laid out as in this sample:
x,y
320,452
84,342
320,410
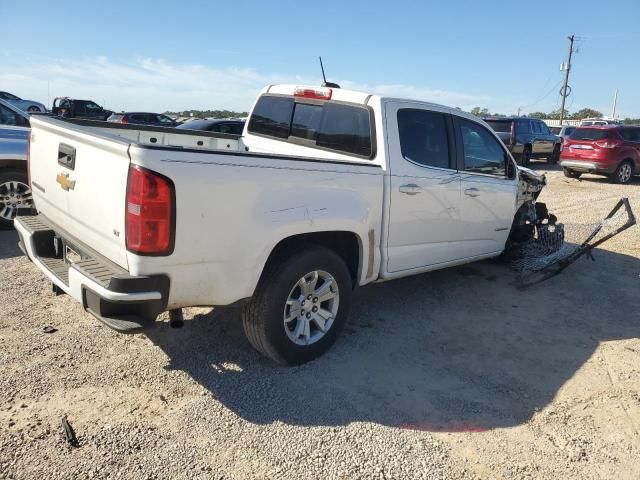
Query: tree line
x,y
554,115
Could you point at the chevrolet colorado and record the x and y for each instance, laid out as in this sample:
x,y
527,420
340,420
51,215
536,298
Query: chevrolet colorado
x,y
326,190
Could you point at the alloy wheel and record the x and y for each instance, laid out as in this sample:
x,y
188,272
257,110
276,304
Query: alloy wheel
x,y
311,307
14,195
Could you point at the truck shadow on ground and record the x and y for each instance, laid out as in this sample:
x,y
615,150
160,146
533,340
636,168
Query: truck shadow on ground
x,y
9,244
457,350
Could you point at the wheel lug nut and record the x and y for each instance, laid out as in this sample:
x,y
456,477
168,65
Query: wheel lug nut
x,y
309,297
308,315
315,300
315,309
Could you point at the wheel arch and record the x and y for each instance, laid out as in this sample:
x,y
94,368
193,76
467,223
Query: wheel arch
x,y
346,244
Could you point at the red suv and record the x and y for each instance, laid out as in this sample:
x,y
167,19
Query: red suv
x,y
612,150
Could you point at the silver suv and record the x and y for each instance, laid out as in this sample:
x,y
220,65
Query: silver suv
x,y
526,138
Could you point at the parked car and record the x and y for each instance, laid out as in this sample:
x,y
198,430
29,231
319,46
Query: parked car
x,y
83,109
14,185
227,125
526,138
587,122
563,132
612,150
285,221
143,118
25,105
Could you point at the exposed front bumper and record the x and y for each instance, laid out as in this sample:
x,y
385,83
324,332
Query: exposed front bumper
x,y
586,166
123,302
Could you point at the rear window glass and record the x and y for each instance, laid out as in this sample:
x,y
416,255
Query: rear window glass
x,y
345,128
272,116
500,125
589,134
330,125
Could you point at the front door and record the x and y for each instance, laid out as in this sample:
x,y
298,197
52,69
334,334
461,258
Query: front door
x,y
424,212
489,189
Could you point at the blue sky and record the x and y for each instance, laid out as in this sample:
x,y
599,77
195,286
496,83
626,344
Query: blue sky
x,y
205,54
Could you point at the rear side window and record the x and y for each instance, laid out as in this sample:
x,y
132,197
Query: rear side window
x,y
500,125
630,134
423,137
334,126
589,134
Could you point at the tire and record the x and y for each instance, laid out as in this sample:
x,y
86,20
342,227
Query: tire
x,y
264,317
555,156
14,193
570,173
525,157
623,173
33,108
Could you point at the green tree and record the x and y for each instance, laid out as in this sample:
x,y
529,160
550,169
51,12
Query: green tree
x,y
586,113
555,115
538,115
479,112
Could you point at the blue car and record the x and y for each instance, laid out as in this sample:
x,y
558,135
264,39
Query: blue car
x,y
14,184
26,105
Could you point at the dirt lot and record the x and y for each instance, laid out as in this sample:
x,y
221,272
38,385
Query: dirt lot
x,y
454,374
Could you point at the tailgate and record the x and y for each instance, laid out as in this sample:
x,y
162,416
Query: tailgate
x,y
79,182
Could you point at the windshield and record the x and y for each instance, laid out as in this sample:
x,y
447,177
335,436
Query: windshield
x,y
8,96
589,134
503,126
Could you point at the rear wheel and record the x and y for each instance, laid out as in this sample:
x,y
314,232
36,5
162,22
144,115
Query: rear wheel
x,y
571,173
555,156
623,173
14,193
300,306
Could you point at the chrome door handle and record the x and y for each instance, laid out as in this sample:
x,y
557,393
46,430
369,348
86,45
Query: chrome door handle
x,y
472,192
410,189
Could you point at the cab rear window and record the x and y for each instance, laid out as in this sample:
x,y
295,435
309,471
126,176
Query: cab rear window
x,y
329,125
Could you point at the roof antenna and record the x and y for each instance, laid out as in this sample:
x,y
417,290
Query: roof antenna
x,y
324,78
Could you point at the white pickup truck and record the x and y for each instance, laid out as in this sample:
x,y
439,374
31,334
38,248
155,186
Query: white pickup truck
x,y
326,190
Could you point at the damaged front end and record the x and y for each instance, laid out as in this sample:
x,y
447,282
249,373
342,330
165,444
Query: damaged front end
x,y
536,244
532,219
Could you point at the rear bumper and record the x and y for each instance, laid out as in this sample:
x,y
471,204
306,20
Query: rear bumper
x,y
123,302
587,166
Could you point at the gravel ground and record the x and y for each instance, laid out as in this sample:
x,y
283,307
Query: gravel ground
x,y
453,374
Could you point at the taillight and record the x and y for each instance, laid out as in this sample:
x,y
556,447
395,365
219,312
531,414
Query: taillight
x,y
150,212
124,119
608,143
512,138
29,160
316,93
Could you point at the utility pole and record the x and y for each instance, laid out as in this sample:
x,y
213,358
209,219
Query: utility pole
x,y
565,88
615,101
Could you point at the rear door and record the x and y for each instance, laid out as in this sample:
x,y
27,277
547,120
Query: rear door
x,y
543,140
79,182
488,197
424,212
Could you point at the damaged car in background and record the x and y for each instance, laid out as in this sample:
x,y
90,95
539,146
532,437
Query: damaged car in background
x,y
326,190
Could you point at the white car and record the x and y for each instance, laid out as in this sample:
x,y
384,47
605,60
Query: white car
x,y
326,191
